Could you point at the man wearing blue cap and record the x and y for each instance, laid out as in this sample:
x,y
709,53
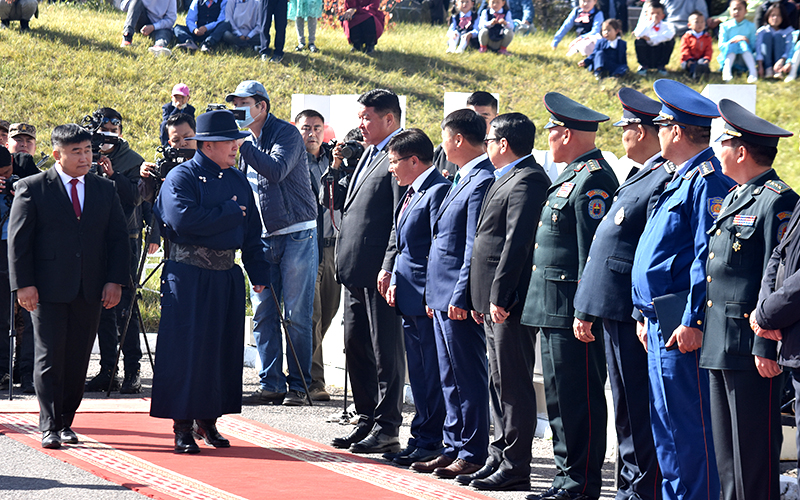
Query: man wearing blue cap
x,y
669,293
608,268
574,372
745,380
208,212
274,161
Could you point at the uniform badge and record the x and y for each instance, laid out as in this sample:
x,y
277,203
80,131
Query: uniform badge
x,y
620,216
714,206
597,204
744,220
565,190
784,218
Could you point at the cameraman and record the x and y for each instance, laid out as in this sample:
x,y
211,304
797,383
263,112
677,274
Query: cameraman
x,y
6,168
120,164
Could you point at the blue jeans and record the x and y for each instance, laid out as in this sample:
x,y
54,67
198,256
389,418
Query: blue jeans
x,y
293,274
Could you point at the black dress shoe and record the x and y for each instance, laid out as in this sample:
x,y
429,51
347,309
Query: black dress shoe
x,y
376,442
207,431
51,440
68,436
184,442
502,481
548,494
484,472
26,381
418,455
408,450
360,432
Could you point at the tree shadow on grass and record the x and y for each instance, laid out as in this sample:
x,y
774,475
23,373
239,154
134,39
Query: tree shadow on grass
x,y
75,40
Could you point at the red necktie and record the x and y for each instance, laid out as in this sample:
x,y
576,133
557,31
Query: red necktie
x,y
409,195
76,203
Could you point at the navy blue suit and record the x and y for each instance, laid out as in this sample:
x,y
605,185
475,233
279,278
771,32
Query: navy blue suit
x,y
461,345
413,227
613,60
608,268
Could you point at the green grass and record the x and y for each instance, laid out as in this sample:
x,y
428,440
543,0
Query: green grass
x,y
71,63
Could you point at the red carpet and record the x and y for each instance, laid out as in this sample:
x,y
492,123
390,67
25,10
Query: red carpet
x,y
125,445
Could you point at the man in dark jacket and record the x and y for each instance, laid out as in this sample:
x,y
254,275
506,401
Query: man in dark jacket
x,y
124,171
274,160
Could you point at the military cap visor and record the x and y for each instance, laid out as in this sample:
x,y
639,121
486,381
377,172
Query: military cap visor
x,y
21,129
682,104
742,124
636,108
567,113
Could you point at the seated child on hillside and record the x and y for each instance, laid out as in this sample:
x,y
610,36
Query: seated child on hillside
x,y
792,62
178,104
737,41
463,30
772,42
587,20
655,39
496,27
696,50
609,57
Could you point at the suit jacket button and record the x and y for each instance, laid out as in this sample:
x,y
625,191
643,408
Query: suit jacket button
x,y
711,256
540,223
710,303
535,246
746,315
563,277
588,258
719,231
615,198
699,322
708,278
534,268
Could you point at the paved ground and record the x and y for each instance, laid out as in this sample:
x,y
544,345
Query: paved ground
x,y
26,473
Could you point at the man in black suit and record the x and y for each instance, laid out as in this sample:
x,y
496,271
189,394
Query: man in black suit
x,y
499,275
64,226
365,253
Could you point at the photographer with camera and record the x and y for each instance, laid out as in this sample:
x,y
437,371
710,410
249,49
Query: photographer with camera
x,y
274,159
327,292
119,163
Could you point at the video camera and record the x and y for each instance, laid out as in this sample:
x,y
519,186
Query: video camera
x,y
93,124
170,158
238,114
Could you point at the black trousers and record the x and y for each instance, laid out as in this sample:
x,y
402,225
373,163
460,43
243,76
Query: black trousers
x,y
745,417
277,9
374,351
63,336
512,355
364,34
653,56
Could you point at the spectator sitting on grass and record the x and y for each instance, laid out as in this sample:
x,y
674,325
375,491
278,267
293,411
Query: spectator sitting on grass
x,y
496,27
244,30
696,46
178,104
153,18
463,30
610,54
655,39
17,10
205,25
587,20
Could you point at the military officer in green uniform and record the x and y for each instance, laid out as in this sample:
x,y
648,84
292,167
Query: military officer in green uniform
x,y
745,381
574,372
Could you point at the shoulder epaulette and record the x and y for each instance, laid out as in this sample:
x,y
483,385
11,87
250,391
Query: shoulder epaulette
x,y
778,186
594,165
706,168
669,167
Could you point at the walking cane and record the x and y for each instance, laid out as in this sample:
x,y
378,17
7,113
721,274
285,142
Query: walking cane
x,y
291,346
12,335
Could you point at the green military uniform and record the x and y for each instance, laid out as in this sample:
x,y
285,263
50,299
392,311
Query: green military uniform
x,y
574,372
745,407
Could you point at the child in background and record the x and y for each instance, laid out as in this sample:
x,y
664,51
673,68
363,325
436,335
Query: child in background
x,y
696,46
737,40
772,42
496,27
463,30
792,61
610,54
178,104
587,20
655,39
310,11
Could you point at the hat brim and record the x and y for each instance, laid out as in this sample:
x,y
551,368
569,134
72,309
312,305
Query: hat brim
x,y
724,137
11,136
232,136
229,97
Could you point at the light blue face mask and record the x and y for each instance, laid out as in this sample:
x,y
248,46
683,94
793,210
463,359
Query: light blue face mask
x,y
248,119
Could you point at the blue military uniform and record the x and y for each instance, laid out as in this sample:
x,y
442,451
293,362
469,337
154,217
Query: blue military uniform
x,y
608,268
669,265
574,372
745,407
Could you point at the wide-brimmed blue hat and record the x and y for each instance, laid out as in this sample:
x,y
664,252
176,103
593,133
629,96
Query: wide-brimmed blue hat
x,y
217,125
